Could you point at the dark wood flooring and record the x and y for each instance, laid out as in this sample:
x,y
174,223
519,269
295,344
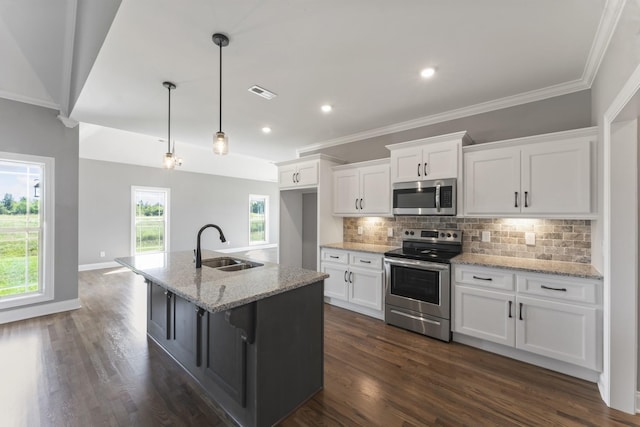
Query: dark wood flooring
x,y
95,367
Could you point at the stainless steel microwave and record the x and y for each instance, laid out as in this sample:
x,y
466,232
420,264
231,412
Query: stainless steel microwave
x,y
436,197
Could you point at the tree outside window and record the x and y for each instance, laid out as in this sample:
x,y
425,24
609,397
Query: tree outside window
x,y
150,219
258,226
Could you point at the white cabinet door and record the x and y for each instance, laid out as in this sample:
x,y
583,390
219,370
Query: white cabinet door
x,y
365,288
440,160
287,176
406,164
336,285
556,178
346,191
492,181
375,190
562,331
307,174
484,314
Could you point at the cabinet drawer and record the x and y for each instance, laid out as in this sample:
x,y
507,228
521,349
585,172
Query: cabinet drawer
x,y
566,289
365,260
332,255
481,276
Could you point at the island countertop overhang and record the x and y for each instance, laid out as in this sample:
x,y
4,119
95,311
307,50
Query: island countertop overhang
x,y
216,290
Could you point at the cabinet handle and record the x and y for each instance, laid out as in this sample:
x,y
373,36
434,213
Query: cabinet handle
x,y
293,177
483,278
351,277
419,169
365,262
526,199
360,204
356,204
521,304
297,176
345,276
168,322
510,304
425,168
199,316
334,256
553,289
516,202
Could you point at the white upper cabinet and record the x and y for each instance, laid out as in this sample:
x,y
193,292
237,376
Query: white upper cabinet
x,y
362,189
429,158
545,176
302,174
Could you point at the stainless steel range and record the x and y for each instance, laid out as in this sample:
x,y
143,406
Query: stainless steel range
x,y
418,282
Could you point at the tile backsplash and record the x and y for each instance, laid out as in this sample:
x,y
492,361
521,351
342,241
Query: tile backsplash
x,y
555,239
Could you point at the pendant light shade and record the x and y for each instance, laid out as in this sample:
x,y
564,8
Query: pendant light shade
x,y
170,161
220,140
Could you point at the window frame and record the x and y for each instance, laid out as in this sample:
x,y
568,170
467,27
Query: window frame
x,y
167,192
266,219
46,247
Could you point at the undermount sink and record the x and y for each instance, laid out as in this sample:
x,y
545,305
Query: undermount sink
x,y
229,264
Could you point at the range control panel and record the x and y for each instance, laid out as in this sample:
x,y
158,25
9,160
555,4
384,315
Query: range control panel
x,y
453,236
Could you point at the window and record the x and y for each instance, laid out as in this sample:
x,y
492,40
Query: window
x,y
258,225
26,229
150,220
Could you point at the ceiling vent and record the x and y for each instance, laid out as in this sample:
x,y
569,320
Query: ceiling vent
x,y
260,91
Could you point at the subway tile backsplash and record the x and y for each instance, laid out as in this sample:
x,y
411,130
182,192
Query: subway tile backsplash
x,y
555,239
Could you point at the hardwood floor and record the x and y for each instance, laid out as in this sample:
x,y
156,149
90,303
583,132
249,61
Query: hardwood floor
x,y
95,366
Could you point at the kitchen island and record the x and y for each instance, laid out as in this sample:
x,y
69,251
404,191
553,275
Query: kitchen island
x,y
253,338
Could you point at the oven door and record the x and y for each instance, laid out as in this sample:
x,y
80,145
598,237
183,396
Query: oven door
x,y
420,286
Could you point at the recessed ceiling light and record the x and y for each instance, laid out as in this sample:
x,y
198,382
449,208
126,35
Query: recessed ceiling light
x,y
266,129
427,72
326,108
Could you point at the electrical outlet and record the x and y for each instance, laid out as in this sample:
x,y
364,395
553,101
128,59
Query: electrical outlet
x,y
103,254
530,239
390,232
360,229
486,236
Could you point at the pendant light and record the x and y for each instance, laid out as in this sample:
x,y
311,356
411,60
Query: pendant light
x,y
170,160
220,141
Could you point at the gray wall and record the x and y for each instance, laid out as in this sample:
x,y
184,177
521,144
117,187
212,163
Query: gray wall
x,y
195,199
28,129
564,112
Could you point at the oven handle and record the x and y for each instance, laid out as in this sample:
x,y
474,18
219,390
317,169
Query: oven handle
x,y
424,265
422,319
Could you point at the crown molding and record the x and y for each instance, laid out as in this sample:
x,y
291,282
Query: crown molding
x,y
607,26
28,100
484,107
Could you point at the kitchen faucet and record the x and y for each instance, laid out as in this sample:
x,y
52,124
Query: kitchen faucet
x,y
198,253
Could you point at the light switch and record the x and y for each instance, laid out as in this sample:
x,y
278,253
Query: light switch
x,y
486,236
390,232
530,239
360,229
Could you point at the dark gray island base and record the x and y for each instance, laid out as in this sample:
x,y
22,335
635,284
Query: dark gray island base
x,y
259,360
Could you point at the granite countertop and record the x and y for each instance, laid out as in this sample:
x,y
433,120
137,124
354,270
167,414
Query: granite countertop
x,y
360,247
216,290
531,265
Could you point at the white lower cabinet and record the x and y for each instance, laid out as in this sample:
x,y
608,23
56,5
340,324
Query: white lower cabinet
x,y
355,281
553,316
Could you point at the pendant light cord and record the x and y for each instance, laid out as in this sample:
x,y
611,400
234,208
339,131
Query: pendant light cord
x,y
220,88
169,124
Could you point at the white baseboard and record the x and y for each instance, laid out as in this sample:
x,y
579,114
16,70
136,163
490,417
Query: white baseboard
x,y
98,266
16,314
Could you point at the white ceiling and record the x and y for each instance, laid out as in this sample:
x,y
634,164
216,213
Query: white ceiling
x,y
361,56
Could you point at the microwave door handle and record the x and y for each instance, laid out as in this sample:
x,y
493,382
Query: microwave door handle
x,y
438,198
